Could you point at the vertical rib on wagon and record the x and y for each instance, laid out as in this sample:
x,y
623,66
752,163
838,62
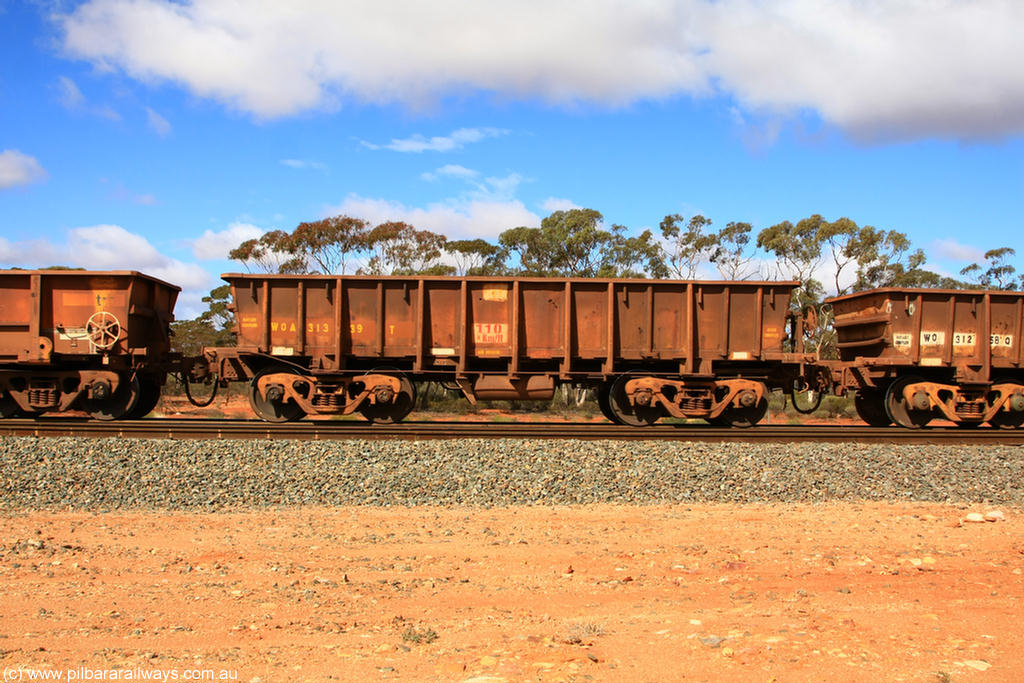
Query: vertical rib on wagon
x,y
344,344
97,341
913,355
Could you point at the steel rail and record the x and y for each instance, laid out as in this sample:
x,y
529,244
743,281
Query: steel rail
x,y
326,430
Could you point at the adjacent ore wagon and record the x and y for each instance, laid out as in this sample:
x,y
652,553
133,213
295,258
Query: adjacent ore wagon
x,y
87,340
917,354
337,345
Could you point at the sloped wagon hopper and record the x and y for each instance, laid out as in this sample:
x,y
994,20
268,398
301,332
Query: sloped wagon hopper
x,y
338,345
913,355
86,340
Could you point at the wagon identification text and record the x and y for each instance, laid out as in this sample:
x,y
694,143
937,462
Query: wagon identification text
x,y
318,327
495,294
933,338
490,333
1001,340
964,338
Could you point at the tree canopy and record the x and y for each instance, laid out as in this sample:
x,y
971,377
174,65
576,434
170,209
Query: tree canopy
x,y
833,257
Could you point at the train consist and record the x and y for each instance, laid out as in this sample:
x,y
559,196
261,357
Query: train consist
x,y
338,345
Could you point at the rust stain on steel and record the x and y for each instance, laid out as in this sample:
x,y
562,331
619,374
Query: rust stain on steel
x,y
63,314
969,334
565,327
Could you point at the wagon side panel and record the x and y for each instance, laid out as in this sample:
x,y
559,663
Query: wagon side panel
x,y
16,313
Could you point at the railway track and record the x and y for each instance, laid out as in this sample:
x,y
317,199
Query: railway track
x,y
166,428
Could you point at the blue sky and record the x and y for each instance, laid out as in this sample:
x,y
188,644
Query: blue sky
x,y
155,135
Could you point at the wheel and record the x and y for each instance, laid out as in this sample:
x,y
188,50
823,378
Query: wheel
x,y
270,409
870,405
1007,419
743,417
149,397
8,406
899,411
623,411
604,402
117,406
395,411
104,329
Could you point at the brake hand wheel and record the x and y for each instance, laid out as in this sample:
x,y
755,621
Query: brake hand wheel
x,y
104,329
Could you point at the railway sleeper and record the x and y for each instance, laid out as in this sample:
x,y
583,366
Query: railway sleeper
x,y
964,404
709,400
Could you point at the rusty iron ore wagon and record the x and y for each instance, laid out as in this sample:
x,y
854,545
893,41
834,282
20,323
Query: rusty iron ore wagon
x,y
87,340
913,355
315,344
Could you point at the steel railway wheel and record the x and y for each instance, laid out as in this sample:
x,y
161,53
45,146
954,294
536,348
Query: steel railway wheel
x,y
604,402
623,411
900,410
870,405
8,406
118,405
400,405
273,407
149,397
743,416
1008,419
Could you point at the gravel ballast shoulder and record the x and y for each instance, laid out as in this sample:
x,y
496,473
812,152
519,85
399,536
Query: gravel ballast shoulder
x,y
109,474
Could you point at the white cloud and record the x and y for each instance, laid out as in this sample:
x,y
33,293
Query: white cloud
x,y
951,250
157,123
216,245
491,188
439,143
31,253
17,168
122,194
71,98
502,187
552,204
304,163
874,67
456,218
450,171
105,247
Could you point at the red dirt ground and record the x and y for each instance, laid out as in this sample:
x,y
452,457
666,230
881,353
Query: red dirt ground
x,y
837,592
